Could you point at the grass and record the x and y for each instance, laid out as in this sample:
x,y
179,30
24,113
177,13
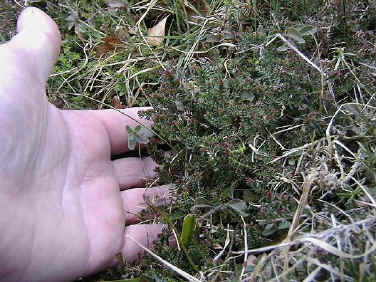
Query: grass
x,y
268,109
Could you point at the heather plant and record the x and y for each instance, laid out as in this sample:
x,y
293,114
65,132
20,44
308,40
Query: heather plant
x,y
266,141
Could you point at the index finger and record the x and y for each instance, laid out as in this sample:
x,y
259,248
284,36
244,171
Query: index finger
x,y
115,123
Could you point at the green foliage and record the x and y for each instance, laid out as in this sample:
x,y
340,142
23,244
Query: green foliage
x,y
228,121
215,123
189,226
138,135
297,34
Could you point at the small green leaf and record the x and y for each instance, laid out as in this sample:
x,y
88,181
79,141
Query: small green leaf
x,y
295,35
146,132
247,96
307,30
143,136
137,128
283,48
284,225
189,226
139,134
141,140
240,207
269,230
131,138
226,83
72,19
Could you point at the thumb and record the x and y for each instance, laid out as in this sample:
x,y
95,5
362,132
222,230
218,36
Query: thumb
x,y
37,43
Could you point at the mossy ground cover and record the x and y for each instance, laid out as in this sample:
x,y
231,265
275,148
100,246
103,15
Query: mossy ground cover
x,y
264,120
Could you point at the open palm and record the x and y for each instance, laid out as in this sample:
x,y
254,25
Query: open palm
x,y
62,214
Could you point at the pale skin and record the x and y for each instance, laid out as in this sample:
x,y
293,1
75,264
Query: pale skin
x,y
66,209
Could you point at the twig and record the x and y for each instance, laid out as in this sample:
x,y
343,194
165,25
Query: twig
x,y
278,35
245,247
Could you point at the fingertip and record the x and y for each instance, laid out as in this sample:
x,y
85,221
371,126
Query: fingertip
x,y
39,38
139,199
34,19
134,171
138,237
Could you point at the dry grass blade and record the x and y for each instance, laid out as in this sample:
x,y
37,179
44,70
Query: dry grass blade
x,y
302,204
189,56
245,247
330,249
278,35
227,242
166,263
330,269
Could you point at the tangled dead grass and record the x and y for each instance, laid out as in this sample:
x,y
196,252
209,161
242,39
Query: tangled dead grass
x,y
324,245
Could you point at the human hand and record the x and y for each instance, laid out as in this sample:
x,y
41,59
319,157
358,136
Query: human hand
x,y
62,214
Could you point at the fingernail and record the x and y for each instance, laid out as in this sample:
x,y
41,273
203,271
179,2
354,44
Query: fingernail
x,y
26,18
34,19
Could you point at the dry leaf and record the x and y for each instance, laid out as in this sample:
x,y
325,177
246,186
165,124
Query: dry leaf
x,y
73,21
110,43
116,103
201,6
218,246
156,33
